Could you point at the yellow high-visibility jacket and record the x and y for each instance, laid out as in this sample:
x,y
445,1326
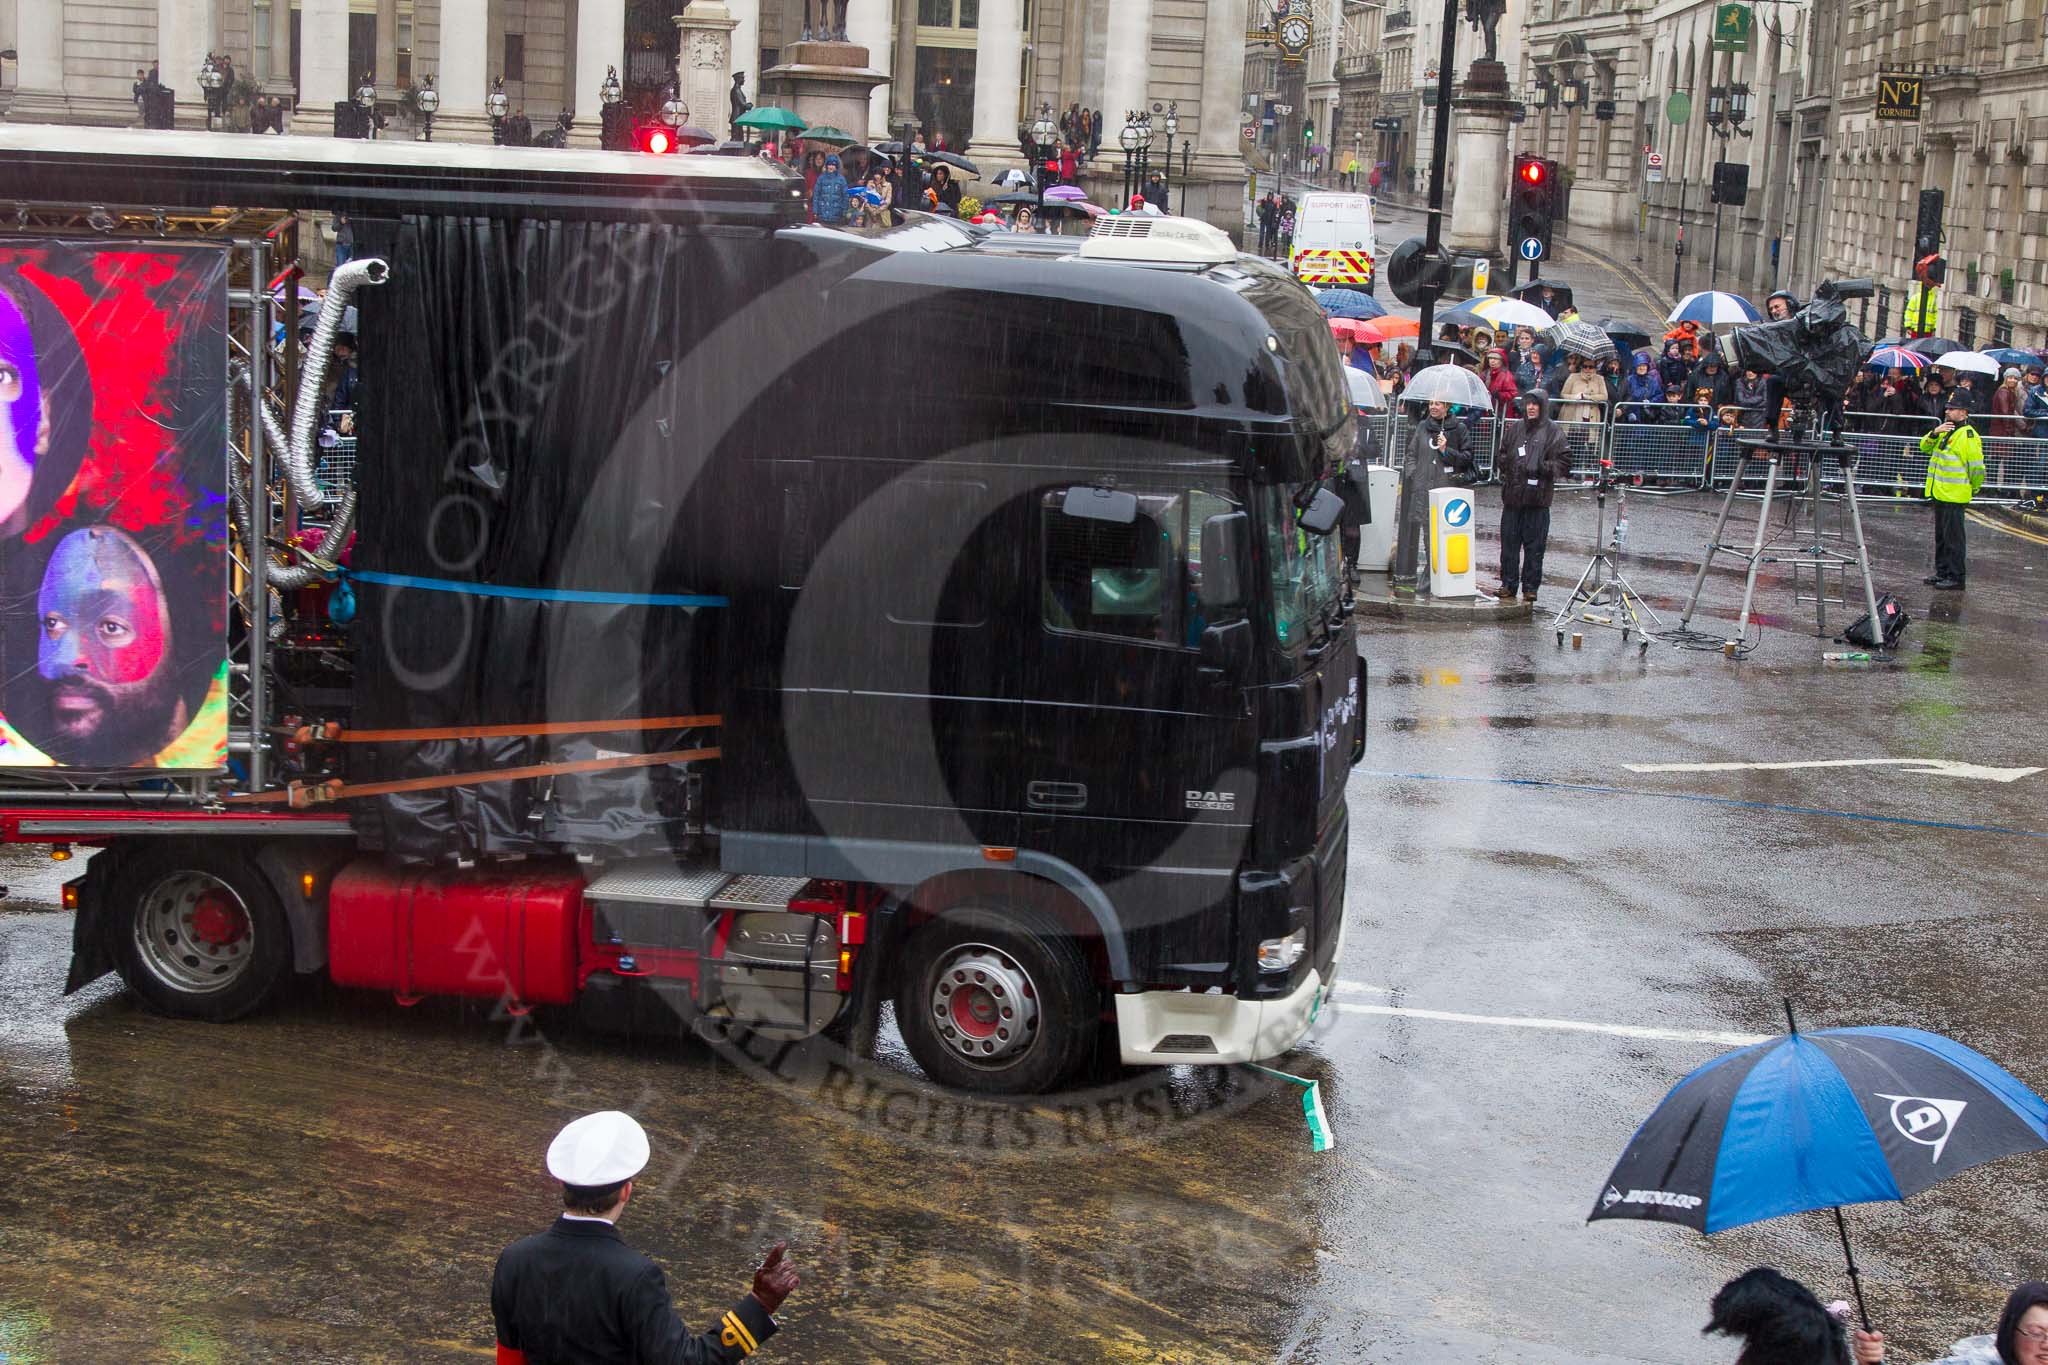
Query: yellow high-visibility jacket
x,y
1955,464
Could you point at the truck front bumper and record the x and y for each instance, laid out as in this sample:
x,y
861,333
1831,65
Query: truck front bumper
x,y
1158,1028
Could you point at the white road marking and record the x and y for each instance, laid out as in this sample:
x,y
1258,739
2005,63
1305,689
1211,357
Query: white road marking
x,y
1652,1034
1921,767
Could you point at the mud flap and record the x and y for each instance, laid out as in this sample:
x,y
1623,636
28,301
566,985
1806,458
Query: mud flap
x,y
90,959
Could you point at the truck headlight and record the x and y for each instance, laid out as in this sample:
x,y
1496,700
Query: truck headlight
x,y
1280,954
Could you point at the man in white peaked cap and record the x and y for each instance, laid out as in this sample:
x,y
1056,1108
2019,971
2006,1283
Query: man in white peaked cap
x,y
577,1293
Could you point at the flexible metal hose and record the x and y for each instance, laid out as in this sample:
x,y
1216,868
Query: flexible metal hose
x,y
300,453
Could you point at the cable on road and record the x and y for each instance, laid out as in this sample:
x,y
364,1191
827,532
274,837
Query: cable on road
x,y
1596,789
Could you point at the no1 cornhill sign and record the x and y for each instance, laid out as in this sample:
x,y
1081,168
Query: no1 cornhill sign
x,y
1898,96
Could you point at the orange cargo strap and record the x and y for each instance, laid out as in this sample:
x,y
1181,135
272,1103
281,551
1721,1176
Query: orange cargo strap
x,y
302,794
310,734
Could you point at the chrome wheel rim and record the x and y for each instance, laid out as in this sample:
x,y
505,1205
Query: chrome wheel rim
x,y
984,1005
194,934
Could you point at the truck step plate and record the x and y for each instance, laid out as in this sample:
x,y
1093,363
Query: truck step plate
x,y
658,882
757,893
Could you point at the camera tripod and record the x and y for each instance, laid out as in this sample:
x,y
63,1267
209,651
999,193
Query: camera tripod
x,y
1813,554
1603,595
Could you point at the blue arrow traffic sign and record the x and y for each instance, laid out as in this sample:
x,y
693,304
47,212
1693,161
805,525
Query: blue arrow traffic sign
x,y
1532,248
1457,511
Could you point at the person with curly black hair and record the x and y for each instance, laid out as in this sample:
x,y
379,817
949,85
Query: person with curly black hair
x,y
1779,1320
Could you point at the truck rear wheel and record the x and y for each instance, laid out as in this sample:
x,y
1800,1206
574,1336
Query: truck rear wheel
x,y
997,1003
196,932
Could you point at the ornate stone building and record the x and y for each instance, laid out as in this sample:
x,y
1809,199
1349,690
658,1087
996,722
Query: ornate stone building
x,y
969,71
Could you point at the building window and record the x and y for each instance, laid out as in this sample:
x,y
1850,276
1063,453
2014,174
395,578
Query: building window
x,y
2001,330
1884,309
515,57
1966,327
949,13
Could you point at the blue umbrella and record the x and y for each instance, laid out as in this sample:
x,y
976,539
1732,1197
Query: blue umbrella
x,y
1819,1120
1714,308
2012,355
1349,303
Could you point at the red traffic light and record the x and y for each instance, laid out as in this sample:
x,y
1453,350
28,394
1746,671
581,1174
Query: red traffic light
x,y
1532,172
659,141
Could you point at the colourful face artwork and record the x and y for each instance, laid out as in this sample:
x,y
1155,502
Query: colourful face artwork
x,y
24,412
104,652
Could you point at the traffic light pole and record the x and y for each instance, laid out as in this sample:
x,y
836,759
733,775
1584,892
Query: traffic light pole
x,y
1439,152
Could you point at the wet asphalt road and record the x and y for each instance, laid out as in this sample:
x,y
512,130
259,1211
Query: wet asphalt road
x,y
331,1182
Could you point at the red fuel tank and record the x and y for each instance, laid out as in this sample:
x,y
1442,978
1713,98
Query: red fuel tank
x,y
425,931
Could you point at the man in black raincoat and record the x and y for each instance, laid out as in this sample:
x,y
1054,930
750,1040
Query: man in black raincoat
x,y
1533,457
1439,451
1348,481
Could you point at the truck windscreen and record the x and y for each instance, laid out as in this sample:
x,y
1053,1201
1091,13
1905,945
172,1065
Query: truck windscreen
x,y
1315,373
1305,571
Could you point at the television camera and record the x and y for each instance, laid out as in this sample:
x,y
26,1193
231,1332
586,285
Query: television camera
x,y
1809,357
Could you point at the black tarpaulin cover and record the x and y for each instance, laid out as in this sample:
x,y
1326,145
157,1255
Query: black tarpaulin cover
x,y
511,567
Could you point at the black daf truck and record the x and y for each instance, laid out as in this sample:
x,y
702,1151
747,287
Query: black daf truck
x,y
755,622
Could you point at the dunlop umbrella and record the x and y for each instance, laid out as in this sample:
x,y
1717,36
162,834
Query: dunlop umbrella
x,y
1581,339
1818,1120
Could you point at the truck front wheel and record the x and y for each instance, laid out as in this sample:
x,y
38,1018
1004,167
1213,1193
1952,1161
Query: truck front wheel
x,y
997,1003
196,932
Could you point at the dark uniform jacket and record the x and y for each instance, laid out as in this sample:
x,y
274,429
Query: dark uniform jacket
x,y
577,1293
1533,457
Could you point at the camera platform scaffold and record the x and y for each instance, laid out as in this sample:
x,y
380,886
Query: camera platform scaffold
x,y
1603,596
1811,551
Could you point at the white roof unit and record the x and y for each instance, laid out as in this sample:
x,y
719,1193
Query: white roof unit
x,y
1140,239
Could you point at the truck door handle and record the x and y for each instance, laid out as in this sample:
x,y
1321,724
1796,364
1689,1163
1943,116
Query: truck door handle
x,y
1056,796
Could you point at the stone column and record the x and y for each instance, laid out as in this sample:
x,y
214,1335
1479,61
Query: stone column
x,y
463,76
1481,132
903,69
746,56
387,50
1128,52
998,70
707,29
600,43
867,25
280,82
186,30
39,95
1215,185
323,63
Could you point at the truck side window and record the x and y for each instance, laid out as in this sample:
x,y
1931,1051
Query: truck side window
x,y
1202,505
1107,578
930,565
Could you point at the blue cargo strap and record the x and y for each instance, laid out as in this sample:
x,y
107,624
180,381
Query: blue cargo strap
x,y
614,599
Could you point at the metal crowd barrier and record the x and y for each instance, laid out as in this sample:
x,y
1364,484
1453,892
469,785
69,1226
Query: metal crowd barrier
x,y
1674,455
335,469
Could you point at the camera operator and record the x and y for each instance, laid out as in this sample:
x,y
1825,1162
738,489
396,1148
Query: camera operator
x,y
1439,454
1955,471
1533,456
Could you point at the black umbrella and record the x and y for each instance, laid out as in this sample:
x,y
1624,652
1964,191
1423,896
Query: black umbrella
x,y
1019,198
1628,335
958,163
1819,1120
1933,347
1533,290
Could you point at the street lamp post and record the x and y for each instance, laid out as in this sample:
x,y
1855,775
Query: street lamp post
x,y
611,136
1156,127
1045,134
429,100
498,105
1128,140
1727,113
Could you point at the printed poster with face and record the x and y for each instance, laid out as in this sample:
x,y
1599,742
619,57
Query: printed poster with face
x,y
113,506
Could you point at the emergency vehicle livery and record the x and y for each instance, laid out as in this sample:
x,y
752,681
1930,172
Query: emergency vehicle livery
x,y
1333,241
625,673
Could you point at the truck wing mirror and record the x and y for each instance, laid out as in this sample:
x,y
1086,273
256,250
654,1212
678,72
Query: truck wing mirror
x,y
1101,504
1227,649
1226,559
1320,517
